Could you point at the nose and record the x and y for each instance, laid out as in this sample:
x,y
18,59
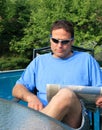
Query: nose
x,y
60,44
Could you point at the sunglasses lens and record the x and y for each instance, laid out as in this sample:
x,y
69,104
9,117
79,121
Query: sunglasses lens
x,y
65,41
55,40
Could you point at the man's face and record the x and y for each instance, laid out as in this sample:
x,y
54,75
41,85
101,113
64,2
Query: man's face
x,y
59,49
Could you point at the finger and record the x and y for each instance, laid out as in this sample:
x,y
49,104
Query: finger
x,y
40,107
99,104
31,105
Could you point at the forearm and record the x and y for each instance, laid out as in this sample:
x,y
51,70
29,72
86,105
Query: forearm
x,y
23,93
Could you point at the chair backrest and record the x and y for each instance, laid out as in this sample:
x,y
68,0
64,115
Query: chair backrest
x,y
48,49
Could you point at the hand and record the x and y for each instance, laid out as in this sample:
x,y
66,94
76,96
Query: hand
x,y
35,103
99,102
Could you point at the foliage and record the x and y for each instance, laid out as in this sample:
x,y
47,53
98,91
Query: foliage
x,y
14,17
11,63
84,15
25,25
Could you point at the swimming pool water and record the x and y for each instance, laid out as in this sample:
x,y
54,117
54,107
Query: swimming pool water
x,y
7,81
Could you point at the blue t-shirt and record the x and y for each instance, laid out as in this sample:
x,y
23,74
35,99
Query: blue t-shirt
x,y
79,69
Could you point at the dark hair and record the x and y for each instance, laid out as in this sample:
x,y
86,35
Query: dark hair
x,y
66,25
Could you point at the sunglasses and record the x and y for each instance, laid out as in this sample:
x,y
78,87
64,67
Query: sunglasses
x,y
61,41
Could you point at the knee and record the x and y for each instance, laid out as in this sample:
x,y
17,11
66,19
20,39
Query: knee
x,y
65,97
66,94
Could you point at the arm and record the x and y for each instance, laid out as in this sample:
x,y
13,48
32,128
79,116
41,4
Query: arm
x,y
23,93
99,102
97,80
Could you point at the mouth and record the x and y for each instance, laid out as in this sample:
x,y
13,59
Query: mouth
x,y
59,51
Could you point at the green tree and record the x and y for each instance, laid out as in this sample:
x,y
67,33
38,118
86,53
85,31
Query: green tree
x,y
25,25
14,18
84,15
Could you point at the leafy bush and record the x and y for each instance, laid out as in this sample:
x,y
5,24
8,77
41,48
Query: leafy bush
x,y
13,63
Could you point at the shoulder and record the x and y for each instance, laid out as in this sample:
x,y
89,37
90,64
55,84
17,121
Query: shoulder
x,y
87,57
43,56
38,59
83,55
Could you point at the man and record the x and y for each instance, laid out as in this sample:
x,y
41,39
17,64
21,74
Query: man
x,y
62,66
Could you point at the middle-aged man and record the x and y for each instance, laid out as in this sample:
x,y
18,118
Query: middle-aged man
x,y
62,66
